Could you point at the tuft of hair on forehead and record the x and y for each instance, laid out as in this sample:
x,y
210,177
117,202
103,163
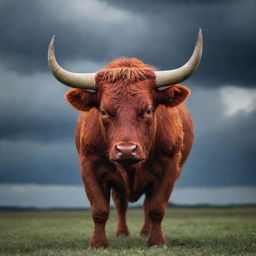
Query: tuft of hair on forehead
x,y
126,69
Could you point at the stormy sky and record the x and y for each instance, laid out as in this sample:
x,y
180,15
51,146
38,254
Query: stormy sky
x,y
37,125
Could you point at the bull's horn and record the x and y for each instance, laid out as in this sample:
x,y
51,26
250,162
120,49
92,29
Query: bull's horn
x,y
75,80
175,76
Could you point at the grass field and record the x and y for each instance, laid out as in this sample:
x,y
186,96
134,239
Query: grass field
x,y
230,231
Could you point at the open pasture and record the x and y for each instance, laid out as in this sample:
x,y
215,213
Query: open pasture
x,y
198,231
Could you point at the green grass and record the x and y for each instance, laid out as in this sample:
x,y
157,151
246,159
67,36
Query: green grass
x,y
207,231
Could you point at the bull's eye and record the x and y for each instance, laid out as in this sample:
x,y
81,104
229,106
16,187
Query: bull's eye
x,y
103,112
149,111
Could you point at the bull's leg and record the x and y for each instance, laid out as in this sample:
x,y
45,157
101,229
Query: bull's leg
x,y
98,192
100,213
147,225
99,199
157,204
121,208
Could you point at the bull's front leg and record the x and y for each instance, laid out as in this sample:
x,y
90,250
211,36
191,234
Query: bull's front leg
x,y
98,193
121,204
157,202
147,224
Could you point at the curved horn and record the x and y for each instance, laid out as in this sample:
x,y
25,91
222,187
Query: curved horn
x,y
75,80
175,76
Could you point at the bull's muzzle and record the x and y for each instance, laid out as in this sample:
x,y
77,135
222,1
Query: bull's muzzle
x,y
127,153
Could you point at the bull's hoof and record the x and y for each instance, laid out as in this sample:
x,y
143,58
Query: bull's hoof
x,y
98,244
144,232
122,233
96,248
156,243
158,247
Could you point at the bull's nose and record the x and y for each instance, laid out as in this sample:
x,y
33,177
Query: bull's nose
x,y
126,153
126,150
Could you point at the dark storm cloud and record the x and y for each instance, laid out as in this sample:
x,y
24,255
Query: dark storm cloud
x,y
84,30
161,33
29,112
40,163
229,41
224,149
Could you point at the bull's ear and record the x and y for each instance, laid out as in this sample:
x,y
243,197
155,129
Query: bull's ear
x,y
173,96
81,99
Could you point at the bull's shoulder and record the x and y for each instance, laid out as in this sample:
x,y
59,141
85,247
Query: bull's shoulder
x,y
188,131
88,135
173,119
185,115
174,128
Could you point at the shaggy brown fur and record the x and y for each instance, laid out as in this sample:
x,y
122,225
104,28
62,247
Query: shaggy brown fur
x,y
126,110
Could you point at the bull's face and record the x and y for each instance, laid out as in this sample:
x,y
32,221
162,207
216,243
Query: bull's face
x,y
126,100
127,120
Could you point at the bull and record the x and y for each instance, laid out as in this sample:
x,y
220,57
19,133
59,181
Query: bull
x,y
131,137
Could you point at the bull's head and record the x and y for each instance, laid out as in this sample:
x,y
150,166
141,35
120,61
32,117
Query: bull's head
x,y
126,96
